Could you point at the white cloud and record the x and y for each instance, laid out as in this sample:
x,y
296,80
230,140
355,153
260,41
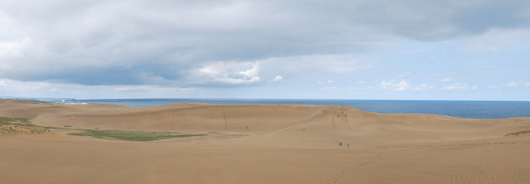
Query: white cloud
x,y
229,80
330,81
423,87
402,86
386,84
456,87
448,80
360,82
527,85
278,78
320,82
251,72
207,70
475,87
514,84
228,73
494,87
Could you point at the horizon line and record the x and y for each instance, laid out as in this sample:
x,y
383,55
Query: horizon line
x,y
36,98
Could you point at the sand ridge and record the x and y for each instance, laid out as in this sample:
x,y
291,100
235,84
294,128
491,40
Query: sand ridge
x,y
265,144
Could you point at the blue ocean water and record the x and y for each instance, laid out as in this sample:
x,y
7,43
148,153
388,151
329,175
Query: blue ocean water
x,y
463,109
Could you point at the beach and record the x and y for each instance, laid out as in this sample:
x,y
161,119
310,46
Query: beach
x,y
275,143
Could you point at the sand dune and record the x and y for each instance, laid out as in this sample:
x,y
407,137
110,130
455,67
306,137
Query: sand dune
x,y
263,144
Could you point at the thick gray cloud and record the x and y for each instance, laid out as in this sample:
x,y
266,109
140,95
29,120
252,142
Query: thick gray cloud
x,y
171,42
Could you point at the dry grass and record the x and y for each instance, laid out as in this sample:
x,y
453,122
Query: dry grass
x,y
518,133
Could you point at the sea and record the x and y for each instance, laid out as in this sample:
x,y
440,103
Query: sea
x,y
463,109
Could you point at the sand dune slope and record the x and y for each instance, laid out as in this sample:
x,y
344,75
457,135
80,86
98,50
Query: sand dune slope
x,y
263,144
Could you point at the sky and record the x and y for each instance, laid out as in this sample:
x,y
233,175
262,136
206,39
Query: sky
x,y
373,49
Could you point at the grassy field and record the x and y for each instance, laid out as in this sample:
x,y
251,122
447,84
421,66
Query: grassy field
x,y
6,121
132,135
125,135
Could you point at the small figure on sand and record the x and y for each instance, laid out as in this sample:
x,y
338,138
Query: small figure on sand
x,y
348,146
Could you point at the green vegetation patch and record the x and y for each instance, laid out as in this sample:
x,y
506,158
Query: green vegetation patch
x,y
5,121
101,134
8,132
132,135
517,133
29,128
21,119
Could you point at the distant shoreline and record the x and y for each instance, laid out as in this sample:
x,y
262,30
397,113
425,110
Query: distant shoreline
x,y
460,109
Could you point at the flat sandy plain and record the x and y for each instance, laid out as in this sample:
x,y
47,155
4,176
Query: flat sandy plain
x,y
282,144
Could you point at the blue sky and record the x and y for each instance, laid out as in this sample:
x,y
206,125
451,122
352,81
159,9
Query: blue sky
x,y
379,49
